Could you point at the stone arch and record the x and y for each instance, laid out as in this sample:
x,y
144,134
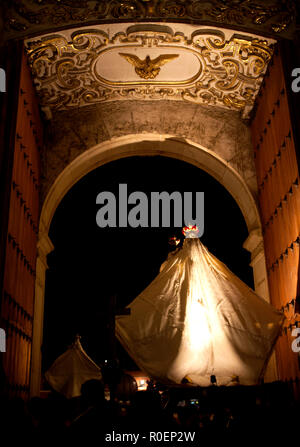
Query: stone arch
x,y
133,145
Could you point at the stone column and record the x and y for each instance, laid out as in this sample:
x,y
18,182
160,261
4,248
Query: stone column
x,y
255,245
44,247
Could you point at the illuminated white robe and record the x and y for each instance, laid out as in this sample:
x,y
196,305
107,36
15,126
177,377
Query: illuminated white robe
x,y
197,319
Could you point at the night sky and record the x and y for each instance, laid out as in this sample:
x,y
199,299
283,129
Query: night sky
x,y
89,263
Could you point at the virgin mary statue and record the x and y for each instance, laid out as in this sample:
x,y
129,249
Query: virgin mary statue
x,y
197,320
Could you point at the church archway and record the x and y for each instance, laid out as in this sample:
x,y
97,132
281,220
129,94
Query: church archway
x,y
146,144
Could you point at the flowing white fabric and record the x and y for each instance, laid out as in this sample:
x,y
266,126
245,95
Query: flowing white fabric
x,y
71,370
197,319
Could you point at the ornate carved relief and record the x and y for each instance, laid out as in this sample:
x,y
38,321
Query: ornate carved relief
x,y
204,65
27,17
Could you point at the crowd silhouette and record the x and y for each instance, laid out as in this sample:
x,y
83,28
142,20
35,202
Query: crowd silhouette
x,y
214,413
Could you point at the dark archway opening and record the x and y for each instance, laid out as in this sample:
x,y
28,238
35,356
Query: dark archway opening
x,y
89,263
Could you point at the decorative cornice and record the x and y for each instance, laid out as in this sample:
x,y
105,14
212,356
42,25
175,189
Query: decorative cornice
x,y
212,66
254,241
26,18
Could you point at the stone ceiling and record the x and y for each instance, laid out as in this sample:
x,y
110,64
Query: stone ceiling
x,y
26,18
204,65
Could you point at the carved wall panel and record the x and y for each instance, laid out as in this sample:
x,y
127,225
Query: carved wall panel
x,y
115,62
24,18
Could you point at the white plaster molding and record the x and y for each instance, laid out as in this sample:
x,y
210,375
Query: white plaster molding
x,y
201,64
44,247
253,240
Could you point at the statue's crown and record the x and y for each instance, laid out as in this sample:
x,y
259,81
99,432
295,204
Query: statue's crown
x,y
190,231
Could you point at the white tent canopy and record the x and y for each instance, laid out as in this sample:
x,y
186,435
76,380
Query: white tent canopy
x,y
71,370
197,319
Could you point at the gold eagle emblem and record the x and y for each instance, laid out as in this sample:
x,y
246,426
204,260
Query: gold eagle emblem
x,y
147,68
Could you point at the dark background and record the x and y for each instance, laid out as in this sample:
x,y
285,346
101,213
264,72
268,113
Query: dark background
x,y
89,263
